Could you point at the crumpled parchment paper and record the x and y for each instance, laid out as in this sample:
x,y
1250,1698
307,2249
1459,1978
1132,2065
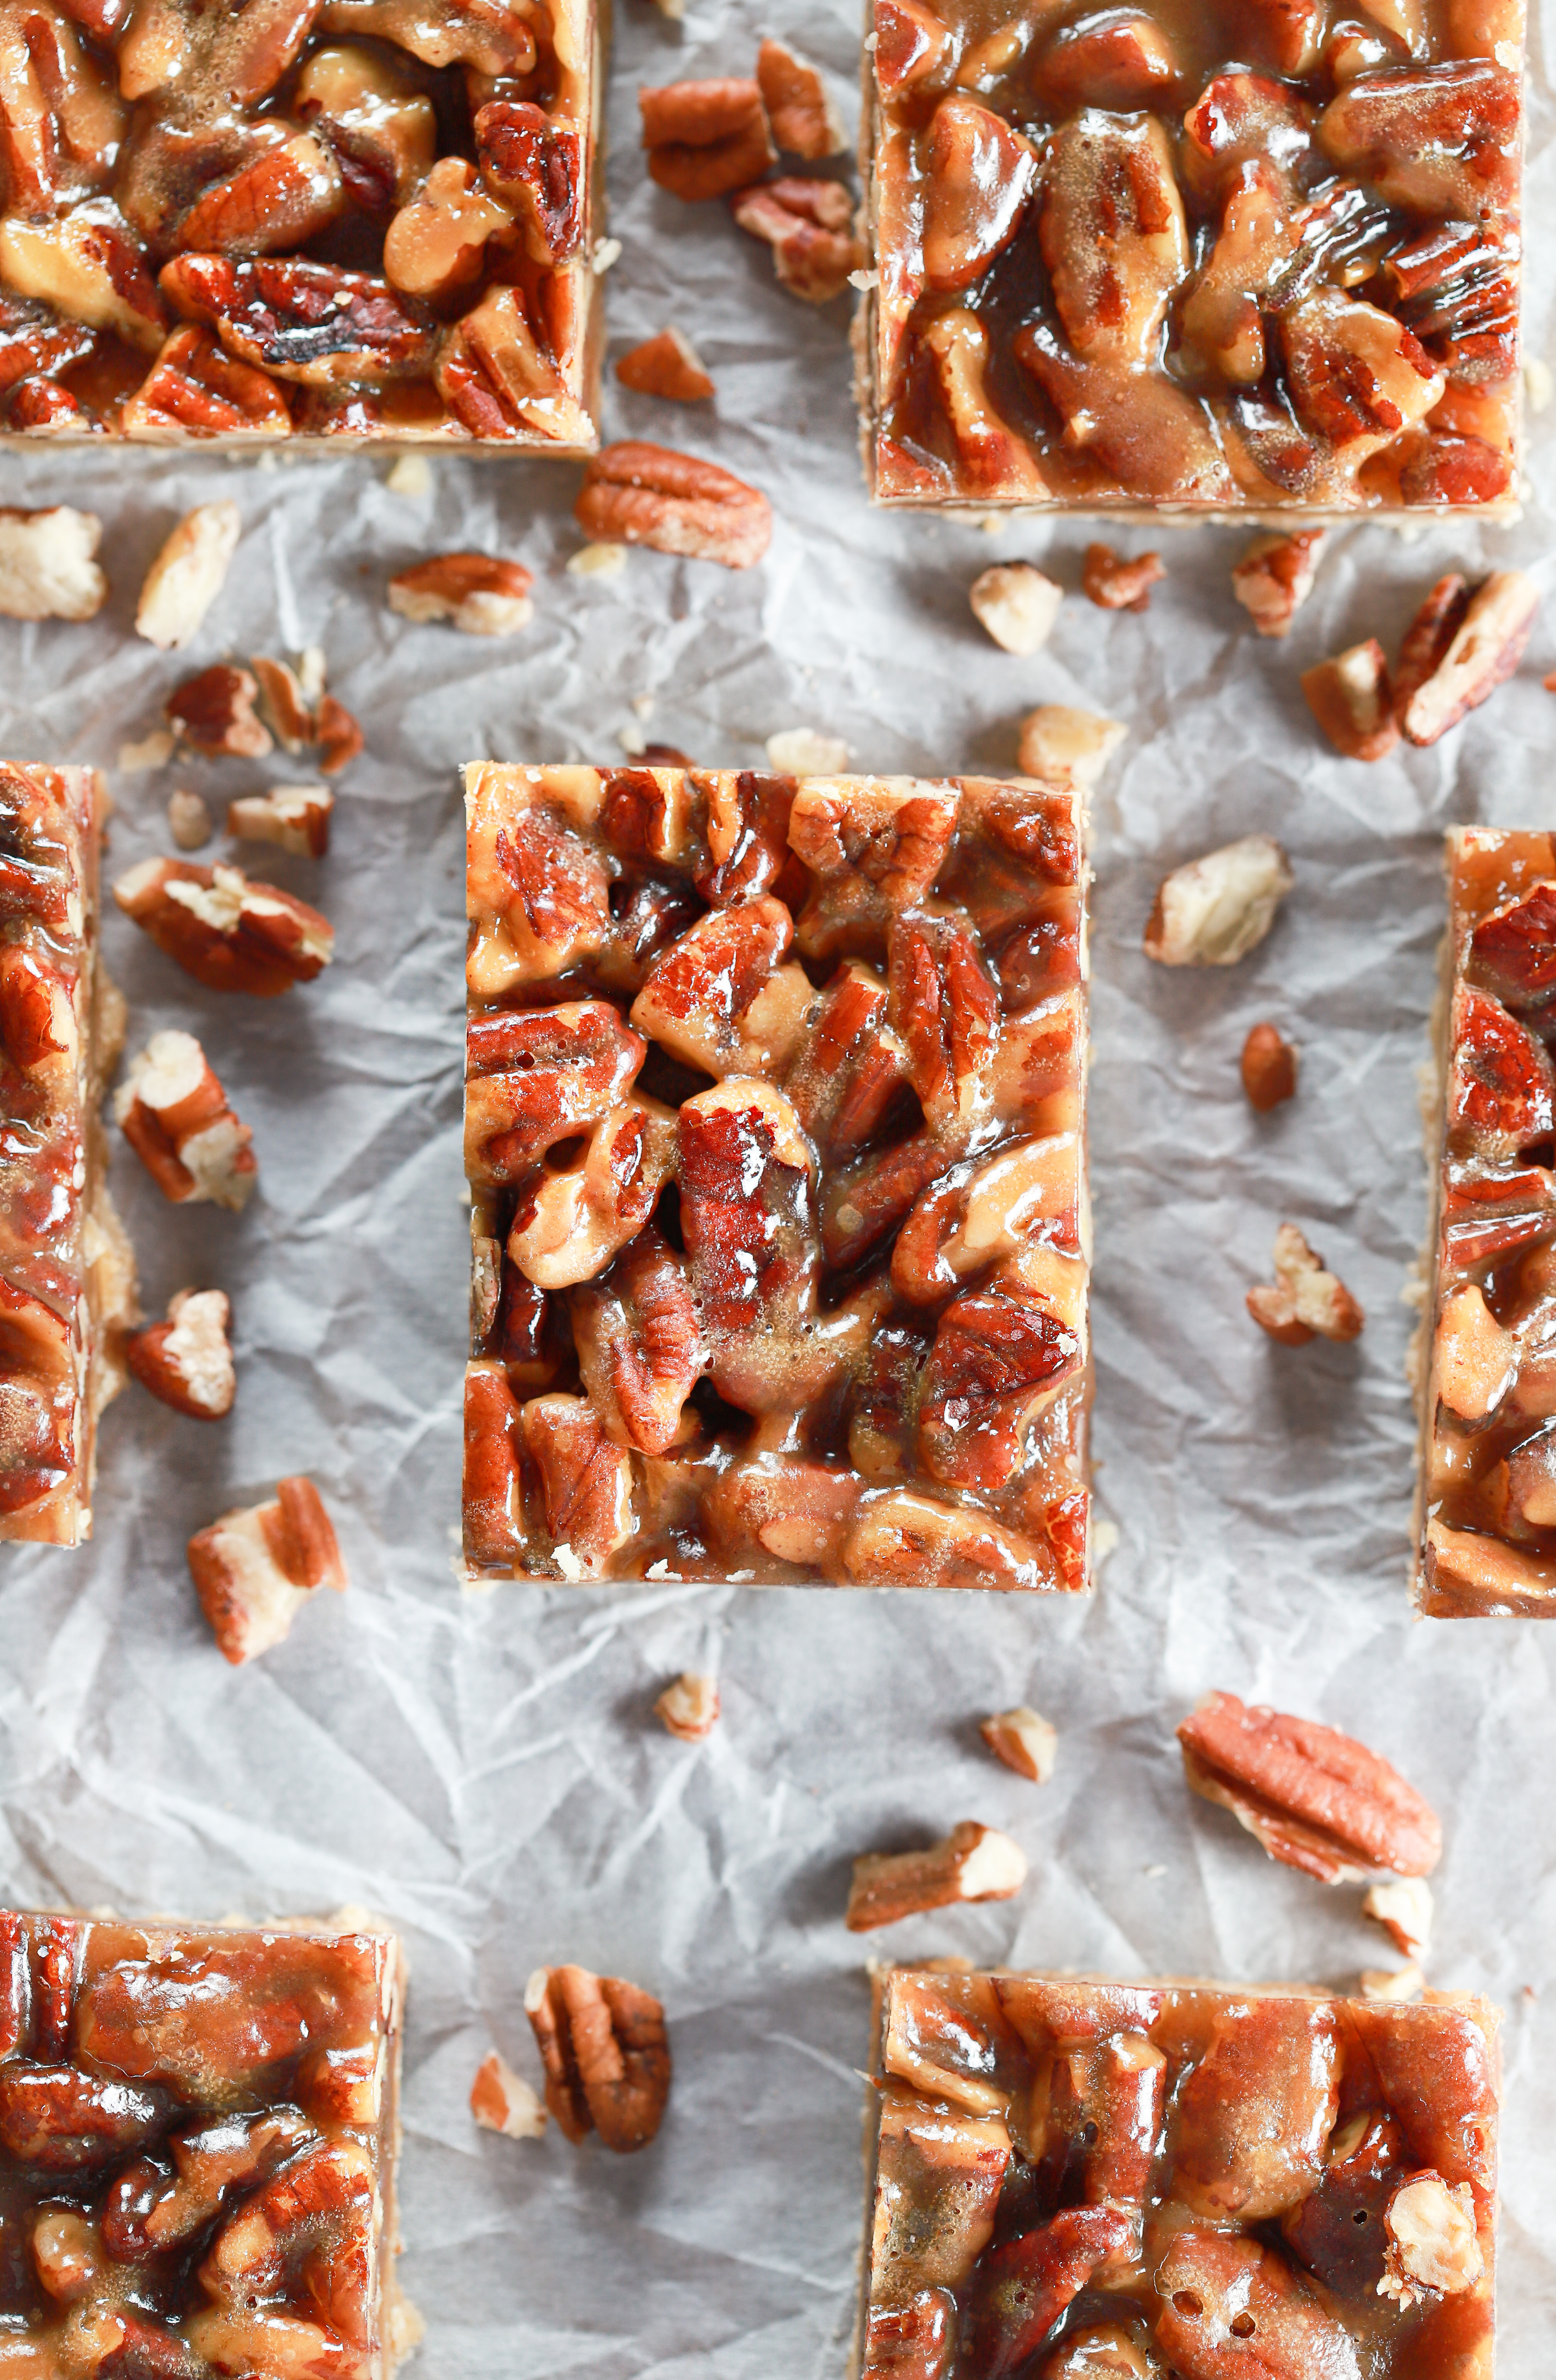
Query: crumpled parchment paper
x,y
484,1769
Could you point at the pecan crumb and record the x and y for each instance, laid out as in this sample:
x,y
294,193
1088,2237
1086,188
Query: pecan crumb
x,y
188,575
500,2101
189,820
805,752
296,817
1213,911
213,712
256,1567
337,736
666,365
1476,643
1024,1742
974,1863
47,570
1405,1983
1403,1906
1119,586
1303,1301
689,1707
1017,605
1269,1069
601,561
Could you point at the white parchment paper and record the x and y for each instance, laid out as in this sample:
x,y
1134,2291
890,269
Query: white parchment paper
x,y
483,1770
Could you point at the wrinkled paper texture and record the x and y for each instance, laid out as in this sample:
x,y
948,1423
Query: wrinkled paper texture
x,y
484,1769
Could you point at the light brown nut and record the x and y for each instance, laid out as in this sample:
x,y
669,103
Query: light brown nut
x,y
666,365
607,2058
500,2101
1212,912
982,175
284,703
47,571
229,934
213,712
909,41
573,1218
436,244
189,818
1024,1742
873,851
1317,1799
383,129
638,494
296,817
88,265
1436,140
993,458
1404,1907
187,1360
1114,236
1434,2247
809,226
1485,649
902,1539
1274,578
1474,1359
974,1863
800,108
256,1567
1269,1069
337,736
498,375
175,1115
805,752
1209,2281
1016,604
1403,1984
689,1707
188,575
1115,585
283,198
536,167
474,592
1304,1301
1058,743
706,138
586,1484
1351,698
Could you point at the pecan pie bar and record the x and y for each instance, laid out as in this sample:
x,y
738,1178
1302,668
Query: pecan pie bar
x,y
198,2134
370,219
1169,256
775,1135
1488,1493
1085,2181
66,1272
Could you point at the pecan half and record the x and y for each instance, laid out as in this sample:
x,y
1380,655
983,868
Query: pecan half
x,y
296,817
873,850
706,138
572,1218
538,1076
991,458
300,321
1115,585
1351,698
1267,1067
229,934
1359,377
492,1489
214,713
474,592
196,390
1112,232
718,999
974,1863
276,202
638,494
586,1484
800,109
1435,139
689,1707
980,175
809,226
175,1115
47,570
997,1360
1433,2241
1024,1742
745,1175
1029,2283
666,365
1213,911
256,1567
1459,650
188,575
902,1539
909,41
603,2043
187,1360
850,1066
383,128
1317,1799
946,1008
1304,1300
1017,605
500,2101
498,375
639,1341
536,167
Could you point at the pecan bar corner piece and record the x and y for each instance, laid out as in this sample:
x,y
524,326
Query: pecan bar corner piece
x,y
68,1289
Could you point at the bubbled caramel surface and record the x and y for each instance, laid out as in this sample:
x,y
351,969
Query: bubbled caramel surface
x,y
1196,255
196,2150
1087,2180
774,1119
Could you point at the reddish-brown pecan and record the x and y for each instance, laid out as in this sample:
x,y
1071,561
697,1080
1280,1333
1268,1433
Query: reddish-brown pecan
x,y
747,828
1314,1797
1115,585
902,1539
1025,2287
1352,700
996,1360
873,851
1336,2231
974,1863
1113,58
1460,648
1435,139
214,713
851,1065
300,321
638,494
1357,376
718,1000
492,1495
1274,577
912,2338
800,108
586,1484
337,736
539,891
1025,1197
497,373
809,225
583,1206
746,1217
1502,1088
705,139
37,1021
777,1504
196,390
187,1360
980,175
1209,2282
1450,470
1106,2100
382,127
535,165
1515,946
1252,2119
536,1075
947,1011
294,817
37,1399
667,365
993,458
255,1567
639,1341
1269,1069
603,2045
279,201
66,2122
228,933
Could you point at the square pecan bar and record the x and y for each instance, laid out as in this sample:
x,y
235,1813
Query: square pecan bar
x,y
369,219
775,1135
1194,258
1487,1488
1092,2181
198,2134
67,1271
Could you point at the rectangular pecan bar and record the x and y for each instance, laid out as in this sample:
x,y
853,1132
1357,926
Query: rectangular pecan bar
x,y
775,1135
1161,257
1486,1518
365,219
198,2136
67,1271
1078,2178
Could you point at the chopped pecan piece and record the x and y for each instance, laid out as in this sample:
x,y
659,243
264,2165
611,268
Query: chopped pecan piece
x,y
850,1066
294,817
1016,604
1357,376
808,225
638,494
284,704
1304,1300
498,375
229,934
1031,2281
689,1707
666,365
1269,1069
1275,577
188,575
188,817
873,851
974,1863
175,1115
994,459
704,140
337,736
187,1360
1113,58
1317,1799
1404,1907
196,390
980,176
47,570
538,1076
383,129
1116,585
300,321
1460,652
800,109
1213,911
997,1360
603,2043
277,202
500,2101
1439,140
536,167
718,999
1433,2241
1351,698
1024,1742
1060,744
475,592
436,243
745,1175
214,713
256,1567
585,1485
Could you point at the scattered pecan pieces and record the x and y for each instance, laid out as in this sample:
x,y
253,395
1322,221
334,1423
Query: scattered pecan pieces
x,y
638,494
187,1360
283,702
175,1115
256,1567
1024,1742
214,713
47,569
1404,1907
607,2058
804,116
704,140
188,575
1116,585
1213,911
475,592
500,2101
1352,700
667,365
974,1863
1460,649
689,1707
1317,1799
337,736
294,817
1058,742
1433,2243
229,934
1269,1069
1274,577
1017,606
1304,1301
809,225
